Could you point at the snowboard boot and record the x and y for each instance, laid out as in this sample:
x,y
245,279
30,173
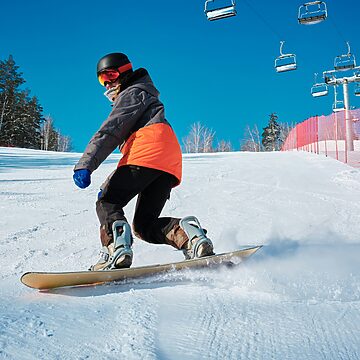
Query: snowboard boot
x,y
118,254
198,245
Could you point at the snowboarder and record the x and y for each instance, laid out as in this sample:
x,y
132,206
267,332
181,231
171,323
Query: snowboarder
x,y
150,167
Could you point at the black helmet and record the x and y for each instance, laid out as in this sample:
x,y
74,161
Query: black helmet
x,y
117,61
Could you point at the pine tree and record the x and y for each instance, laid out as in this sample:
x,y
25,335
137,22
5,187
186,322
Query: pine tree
x,y
271,134
20,115
10,81
31,120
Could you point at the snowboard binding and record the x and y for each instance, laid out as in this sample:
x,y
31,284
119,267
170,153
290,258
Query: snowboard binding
x,y
123,254
119,253
199,245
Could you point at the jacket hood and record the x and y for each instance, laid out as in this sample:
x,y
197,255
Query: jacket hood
x,y
141,79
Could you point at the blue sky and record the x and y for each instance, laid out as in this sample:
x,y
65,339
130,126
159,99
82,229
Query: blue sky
x,y
219,73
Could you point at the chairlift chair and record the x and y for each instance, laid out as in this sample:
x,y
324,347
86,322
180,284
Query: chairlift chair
x,y
285,62
357,90
338,105
345,62
319,89
216,13
329,77
312,13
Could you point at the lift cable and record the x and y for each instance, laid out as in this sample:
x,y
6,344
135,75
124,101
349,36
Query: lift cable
x,y
257,13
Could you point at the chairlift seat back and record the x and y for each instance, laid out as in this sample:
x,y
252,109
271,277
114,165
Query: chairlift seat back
x,y
319,90
357,90
220,13
338,106
311,19
312,13
285,62
344,62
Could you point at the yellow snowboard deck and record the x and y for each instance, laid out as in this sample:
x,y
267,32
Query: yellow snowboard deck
x,y
52,280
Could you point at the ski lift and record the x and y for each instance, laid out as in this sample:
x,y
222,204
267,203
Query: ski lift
x,y
329,76
312,13
319,89
357,90
338,105
346,61
285,62
357,85
216,13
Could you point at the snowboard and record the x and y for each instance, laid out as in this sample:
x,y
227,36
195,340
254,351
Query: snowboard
x,y
52,280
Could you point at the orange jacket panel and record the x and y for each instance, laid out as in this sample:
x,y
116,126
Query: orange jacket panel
x,y
154,146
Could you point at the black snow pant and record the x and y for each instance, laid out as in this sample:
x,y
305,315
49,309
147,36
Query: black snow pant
x,y
153,188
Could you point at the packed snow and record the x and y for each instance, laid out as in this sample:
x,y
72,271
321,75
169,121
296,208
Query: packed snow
x,y
296,298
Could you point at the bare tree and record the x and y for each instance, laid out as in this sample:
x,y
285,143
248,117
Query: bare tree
x,y
187,144
195,134
192,141
207,140
64,143
252,141
200,139
224,146
285,129
46,133
52,139
247,145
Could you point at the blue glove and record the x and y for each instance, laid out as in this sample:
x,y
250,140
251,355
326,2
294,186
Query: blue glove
x,y
100,193
82,178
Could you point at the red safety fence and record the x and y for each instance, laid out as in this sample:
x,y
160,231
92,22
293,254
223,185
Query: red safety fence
x,y
331,135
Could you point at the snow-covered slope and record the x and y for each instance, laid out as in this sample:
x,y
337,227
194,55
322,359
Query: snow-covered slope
x,y
298,298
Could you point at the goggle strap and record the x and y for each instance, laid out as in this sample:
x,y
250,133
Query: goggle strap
x,y
124,68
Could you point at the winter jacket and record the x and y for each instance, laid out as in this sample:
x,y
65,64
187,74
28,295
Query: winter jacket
x,y
138,126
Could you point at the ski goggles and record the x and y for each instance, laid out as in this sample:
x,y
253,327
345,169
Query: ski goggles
x,y
111,75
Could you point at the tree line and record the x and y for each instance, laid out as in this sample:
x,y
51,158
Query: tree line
x,y
22,123
201,139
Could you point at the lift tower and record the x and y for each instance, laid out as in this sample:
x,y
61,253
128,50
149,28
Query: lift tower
x,y
331,79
